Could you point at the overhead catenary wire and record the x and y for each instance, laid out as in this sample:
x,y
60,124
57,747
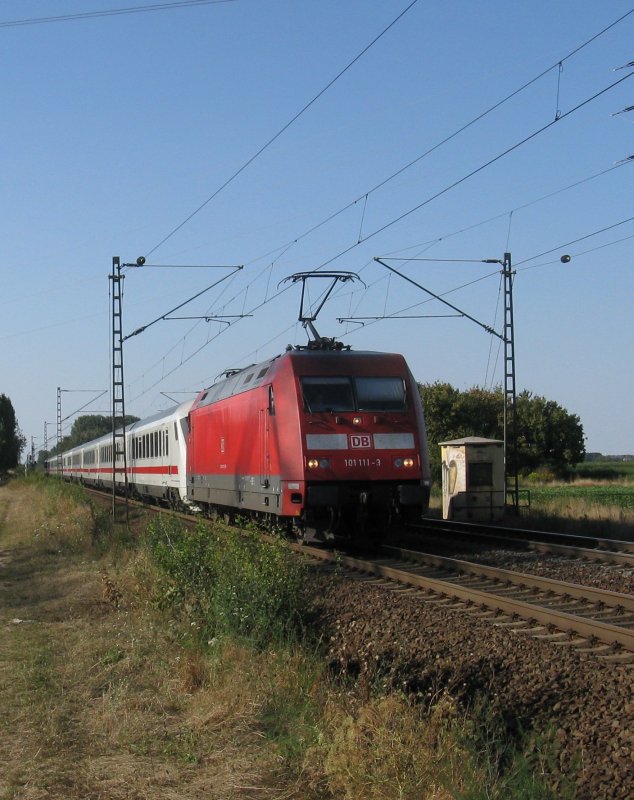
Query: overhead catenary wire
x,y
364,196
283,248
111,12
284,128
574,241
491,161
477,170
510,211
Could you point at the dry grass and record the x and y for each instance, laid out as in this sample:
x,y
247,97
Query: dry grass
x,y
99,699
388,749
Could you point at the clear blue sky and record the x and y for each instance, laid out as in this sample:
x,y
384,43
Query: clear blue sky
x,y
116,128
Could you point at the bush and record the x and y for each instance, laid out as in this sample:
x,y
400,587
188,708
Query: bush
x,y
228,583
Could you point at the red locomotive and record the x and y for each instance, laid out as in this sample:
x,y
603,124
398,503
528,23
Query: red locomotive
x,y
328,440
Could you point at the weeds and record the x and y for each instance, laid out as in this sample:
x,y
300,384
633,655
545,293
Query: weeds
x,y
228,583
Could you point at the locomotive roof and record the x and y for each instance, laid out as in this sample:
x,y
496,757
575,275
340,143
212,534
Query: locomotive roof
x,y
241,380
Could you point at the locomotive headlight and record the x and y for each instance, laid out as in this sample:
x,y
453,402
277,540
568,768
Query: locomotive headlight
x,y
356,420
398,462
314,463
408,462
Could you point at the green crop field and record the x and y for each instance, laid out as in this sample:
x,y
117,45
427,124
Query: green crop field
x,y
600,495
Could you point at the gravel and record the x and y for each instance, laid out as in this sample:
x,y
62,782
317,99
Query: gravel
x,y
381,632
613,578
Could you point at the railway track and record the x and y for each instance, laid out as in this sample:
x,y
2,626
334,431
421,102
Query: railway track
x,y
593,620
585,548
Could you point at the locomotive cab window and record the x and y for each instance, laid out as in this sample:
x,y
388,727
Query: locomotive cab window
x,y
380,394
353,394
327,394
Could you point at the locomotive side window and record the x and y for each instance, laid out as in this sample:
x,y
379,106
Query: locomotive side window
x,y
327,394
271,401
380,394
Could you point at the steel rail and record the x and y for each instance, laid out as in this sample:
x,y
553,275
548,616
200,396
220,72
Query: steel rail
x,y
587,593
584,627
608,551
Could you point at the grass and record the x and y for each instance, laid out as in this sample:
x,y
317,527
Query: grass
x,y
179,665
597,501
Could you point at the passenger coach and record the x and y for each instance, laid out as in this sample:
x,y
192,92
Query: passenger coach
x,y
155,456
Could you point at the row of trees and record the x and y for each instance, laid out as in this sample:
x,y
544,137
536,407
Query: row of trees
x,y
548,436
12,442
85,429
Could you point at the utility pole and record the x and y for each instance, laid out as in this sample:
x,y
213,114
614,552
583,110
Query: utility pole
x,y
118,387
60,460
119,450
507,337
510,396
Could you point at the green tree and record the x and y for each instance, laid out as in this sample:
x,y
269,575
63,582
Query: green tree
x,y
548,436
89,427
12,441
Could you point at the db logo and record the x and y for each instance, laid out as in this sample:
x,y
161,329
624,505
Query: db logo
x,y
364,440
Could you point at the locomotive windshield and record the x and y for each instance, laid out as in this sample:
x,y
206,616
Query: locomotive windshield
x,y
380,394
327,394
353,394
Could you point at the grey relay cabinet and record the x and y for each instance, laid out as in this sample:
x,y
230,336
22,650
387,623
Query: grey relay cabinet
x,y
473,479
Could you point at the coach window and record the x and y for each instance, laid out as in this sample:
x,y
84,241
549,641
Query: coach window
x,y
175,431
156,452
167,443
